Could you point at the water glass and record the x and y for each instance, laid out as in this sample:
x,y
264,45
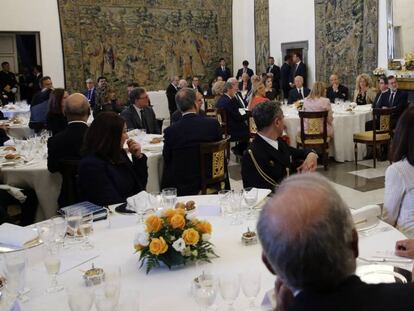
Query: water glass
x,y
51,259
86,229
74,219
16,269
169,197
229,288
129,300
237,197
250,198
60,227
225,197
46,231
250,283
80,298
205,293
155,201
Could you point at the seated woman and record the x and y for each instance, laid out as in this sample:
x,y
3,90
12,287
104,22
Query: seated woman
x,y
270,91
259,96
106,174
399,177
56,120
364,92
317,101
245,85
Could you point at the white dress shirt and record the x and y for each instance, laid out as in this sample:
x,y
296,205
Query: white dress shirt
x,y
271,142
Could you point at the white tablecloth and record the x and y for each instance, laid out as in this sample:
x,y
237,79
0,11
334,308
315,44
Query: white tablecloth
x,y
20,131
345,124
160,104
170,290
16,110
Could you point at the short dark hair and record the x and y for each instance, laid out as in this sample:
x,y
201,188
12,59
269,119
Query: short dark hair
x,y
245,63
298,55
103,137
101,78
402,143
133,84
287,57
185,99
265,113
4,63
271,57
44,79
135,94
391,77
221,58
383,78
38,68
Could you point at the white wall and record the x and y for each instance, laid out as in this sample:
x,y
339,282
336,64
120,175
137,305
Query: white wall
x,y
382,34
42,16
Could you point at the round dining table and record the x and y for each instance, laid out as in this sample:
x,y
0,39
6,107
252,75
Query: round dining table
x,y
164,289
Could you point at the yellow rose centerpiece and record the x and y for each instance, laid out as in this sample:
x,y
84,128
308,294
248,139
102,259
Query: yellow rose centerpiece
x,y
173,239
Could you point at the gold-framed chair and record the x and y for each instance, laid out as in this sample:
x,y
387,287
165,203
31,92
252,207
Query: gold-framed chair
x,y
316,134
381,119
210,106
221,115
213,165
251,125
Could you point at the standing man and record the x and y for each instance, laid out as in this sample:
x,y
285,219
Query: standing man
x,y
171,91
223,71
298,68
8,82
275,70
46,85
285,72
196,85
245,69
90,92
38,73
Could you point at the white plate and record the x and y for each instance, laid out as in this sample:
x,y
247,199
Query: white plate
x,y
375,274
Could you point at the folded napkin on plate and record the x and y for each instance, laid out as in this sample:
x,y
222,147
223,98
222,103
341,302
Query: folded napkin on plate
x,y
366,216
363,108
9,142
17,236
138,201
14,192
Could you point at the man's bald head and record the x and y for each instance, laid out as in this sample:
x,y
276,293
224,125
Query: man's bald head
x,y
306,231
77,108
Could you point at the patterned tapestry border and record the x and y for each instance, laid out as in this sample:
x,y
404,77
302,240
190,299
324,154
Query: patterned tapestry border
x,y
262,45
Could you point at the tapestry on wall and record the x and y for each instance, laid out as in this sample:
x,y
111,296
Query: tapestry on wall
x,y
146,41
261,29
346,39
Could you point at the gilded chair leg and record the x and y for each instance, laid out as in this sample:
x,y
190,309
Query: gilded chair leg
x,y
374,154
325,159
356,153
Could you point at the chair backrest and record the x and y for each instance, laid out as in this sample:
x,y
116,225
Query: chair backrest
x,y
69,193
222,119
317,125
210,106
382,116
213,163
251,124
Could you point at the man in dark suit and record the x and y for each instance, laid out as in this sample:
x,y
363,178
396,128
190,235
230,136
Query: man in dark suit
x,y
195,84
298,68
140,115
90,92
245,69
43,95
223,71
171,91
309,241
285,72
181,145
177,116
336,90
381,100
236,123
8,82
398,99
298,92
67,144
275,71
269,159
37,72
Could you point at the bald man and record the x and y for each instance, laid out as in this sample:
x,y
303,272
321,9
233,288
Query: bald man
x,y
298,92
336,90
67,144
310,243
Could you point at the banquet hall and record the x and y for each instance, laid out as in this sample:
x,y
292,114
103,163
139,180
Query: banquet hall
x,y
200,155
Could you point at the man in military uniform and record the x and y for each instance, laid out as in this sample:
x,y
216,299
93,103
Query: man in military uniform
x,y
269,159
8,82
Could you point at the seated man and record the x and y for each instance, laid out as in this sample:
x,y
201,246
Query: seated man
x,y
336,90
139,115
181,145
177,115
67,144
269,159
309,241
298,92
381,100
236,123
398,99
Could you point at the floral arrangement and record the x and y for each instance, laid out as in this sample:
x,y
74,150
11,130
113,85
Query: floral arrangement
x,y
174,238
379,71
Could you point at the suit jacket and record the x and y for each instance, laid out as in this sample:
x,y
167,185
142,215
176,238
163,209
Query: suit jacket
x,y
381,100
353,294
133,120
56,123
400,103
36,83
275,70
177,116
275,163
294,95
236,124
103,182
198,89
91,97
3,137
171,91
285,73
181,151
240,72
224,74
299,70
38,113
343,93
40,97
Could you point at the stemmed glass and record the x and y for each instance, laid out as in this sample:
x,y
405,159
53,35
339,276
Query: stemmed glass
x,y
86,229
250,198
250,283
51,260
16,268
80,298
229,288
169,197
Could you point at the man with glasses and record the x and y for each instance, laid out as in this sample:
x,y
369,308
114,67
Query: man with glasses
x,y
139,115
196,85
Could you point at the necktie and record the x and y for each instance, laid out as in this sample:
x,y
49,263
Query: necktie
x,y
392,99
143,122
300,94
222,68
89,95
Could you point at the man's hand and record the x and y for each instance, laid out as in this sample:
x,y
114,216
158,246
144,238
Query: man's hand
x,y
310,164
134,148
405,248
284,295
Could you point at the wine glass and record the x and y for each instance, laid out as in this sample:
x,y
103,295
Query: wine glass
x,y
169,197
51,259
250,283
16,268
86,229
74,219
80,298
229,288
250,198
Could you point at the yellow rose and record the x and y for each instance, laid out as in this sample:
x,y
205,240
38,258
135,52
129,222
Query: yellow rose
x,y
191,237
158,246
177,221
168,213
204,227
180,211
154,223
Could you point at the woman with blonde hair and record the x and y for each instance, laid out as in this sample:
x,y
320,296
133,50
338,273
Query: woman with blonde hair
x,y
364,92
317,101
259,96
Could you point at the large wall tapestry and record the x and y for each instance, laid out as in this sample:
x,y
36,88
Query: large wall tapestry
x,y
261,29
346,38
147,41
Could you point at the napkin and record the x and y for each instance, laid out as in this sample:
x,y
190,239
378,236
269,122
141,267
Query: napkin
x,y
9,142
14,192
366,216
138,201
17,236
